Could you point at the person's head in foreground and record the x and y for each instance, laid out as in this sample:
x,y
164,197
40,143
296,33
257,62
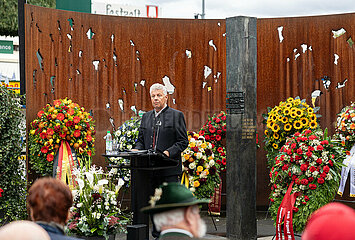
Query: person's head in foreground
x,y
23,230
333,221
175,211
49,200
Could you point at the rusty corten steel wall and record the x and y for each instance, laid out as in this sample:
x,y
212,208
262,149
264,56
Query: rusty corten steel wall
x,y
160,45
282,72
145,49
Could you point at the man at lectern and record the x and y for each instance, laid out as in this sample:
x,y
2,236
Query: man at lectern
x,y
163,129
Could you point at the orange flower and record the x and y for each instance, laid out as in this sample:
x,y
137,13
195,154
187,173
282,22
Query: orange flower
x,y
57,102
352,126
39,114
60,116
71,111
76,119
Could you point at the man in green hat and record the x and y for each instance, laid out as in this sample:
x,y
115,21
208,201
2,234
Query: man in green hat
x,y
176,213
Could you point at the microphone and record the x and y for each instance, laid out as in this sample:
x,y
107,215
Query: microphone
x,y
157,124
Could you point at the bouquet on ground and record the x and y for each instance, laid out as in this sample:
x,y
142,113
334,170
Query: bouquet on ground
x,y
63,121
284,120
200,173
96,211
345,126
312,161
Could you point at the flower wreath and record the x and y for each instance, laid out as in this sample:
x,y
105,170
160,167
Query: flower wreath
x,y
64,120
284,120
313,162
200,173
214,131
345,126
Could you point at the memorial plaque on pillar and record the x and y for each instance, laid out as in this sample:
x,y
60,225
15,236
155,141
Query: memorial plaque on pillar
x,y
241,125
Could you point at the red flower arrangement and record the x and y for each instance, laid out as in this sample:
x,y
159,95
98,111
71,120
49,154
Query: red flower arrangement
x,y
62,121
313,162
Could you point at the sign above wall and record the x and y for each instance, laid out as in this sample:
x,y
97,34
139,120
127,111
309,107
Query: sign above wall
x,y
150,11
6,47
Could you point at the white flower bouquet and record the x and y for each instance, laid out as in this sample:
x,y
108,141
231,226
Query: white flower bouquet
x,y
96,211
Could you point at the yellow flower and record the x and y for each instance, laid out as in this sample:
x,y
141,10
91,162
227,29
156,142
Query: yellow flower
x,y
206,171
265,132
290,100
274,145
294,109
186,156
299,112
297,101
203,145
276,135
313,124
270,125
275,128
199,168
304,121
279,118
192,144
196,184
297,124
284,120
288,127
274,118
293,114
286,111
288,105
310,110
313,117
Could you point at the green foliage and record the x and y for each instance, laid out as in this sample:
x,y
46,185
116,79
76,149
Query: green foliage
x,y
12,170
8,13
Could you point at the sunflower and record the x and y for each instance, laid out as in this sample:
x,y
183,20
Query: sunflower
x,y
273,118
284,120
297,124
265,132
288,105
304,121
274,145
288,127
290,100
287,111
313,124
293,114
297,101
299,112
294,109
270,124
279,118
276,135
310,110
275,128
313,117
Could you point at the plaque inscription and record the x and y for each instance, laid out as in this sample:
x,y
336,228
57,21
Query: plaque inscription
x,y
235,102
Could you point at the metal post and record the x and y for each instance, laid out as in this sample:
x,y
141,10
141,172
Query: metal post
x,y
203,9
21,35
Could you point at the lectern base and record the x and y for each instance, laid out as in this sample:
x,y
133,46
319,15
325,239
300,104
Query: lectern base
x,y
137,232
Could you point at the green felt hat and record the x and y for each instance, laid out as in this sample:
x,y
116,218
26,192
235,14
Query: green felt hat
x,y
170,196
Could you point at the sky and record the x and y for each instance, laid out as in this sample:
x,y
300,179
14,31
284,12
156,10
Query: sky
x,y
220,9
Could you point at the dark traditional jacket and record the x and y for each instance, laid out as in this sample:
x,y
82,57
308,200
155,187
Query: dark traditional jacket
x,y
168,130
55,232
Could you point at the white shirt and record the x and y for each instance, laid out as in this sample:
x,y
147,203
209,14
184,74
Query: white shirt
x,y
157,113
